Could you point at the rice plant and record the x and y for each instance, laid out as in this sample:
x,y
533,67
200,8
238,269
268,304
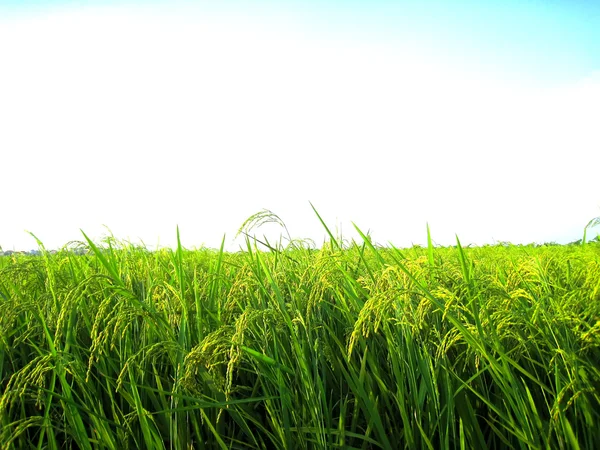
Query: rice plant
x,y
351,345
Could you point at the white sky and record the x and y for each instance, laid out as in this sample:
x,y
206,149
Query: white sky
x,y
141,122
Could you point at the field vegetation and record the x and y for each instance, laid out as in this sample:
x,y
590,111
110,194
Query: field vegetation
x,y
351,345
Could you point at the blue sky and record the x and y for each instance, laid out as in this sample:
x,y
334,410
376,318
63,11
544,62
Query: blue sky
x,y
479,118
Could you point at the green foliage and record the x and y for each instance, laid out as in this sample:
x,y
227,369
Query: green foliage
x,y
352,346
591,224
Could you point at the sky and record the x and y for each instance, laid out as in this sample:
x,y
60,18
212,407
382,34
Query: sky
x,y
132,118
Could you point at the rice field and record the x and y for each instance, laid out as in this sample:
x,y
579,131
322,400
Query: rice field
x,y
350,346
